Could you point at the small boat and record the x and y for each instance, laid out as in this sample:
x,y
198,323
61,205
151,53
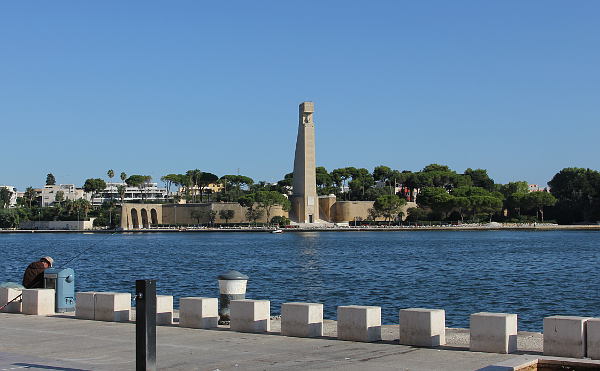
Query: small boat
x,y
277,231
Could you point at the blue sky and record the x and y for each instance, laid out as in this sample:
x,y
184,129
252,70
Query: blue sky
x,y
151,87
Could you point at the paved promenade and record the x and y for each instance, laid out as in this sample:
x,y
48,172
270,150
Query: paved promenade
x,y
66,343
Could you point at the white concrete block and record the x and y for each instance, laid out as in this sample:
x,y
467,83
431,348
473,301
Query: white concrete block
x,y
8,294
422,327
565,336
112,306
250,315
493,332
85,304
593,338
199,312
302,319
359,323
39,302
164,309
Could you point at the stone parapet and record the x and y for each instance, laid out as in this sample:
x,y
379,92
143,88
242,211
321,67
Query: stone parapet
x,y
40,302
302,319
250,315
565,336
6,295
85,305
198,312
112,306
422,327
359,323
493,332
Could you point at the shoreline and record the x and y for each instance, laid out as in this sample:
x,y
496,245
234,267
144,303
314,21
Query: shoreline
x,y
589,227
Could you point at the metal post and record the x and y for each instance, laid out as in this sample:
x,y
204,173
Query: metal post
x,y
145,325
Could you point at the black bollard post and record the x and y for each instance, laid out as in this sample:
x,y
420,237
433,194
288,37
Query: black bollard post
x,y
145,325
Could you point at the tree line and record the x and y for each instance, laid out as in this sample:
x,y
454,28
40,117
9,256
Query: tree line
x,y
439,192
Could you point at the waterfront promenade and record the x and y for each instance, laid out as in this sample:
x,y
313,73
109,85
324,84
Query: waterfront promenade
x,y
333,228
64,343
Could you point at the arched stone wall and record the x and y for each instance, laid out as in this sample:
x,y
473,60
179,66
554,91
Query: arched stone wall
x,y
153,216
145,223
135,216
135,224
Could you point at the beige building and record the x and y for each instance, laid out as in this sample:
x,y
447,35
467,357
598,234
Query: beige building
x,y
70,192
136,216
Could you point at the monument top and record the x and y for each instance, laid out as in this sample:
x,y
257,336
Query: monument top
x,y
307,107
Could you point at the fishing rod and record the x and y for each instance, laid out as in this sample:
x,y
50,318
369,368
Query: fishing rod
x,y
72,259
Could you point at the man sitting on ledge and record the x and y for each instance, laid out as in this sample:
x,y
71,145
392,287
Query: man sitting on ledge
x,y
33,278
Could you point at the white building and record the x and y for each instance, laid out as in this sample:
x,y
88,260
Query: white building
x,y
70,192
149,192
13,195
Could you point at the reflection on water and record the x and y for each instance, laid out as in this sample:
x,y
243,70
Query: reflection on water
x,y
534,274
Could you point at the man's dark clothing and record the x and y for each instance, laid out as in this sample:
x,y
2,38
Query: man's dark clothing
x,y
33,278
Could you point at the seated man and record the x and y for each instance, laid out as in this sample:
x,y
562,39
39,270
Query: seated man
x,y
33,278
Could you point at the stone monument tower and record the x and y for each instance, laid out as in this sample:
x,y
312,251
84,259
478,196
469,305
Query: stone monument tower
x,y
305,202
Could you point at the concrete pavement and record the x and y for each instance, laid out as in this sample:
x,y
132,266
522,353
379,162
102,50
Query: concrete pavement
x,y
66,343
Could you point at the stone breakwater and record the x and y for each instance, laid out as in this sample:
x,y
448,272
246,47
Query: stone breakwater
x,y
564,336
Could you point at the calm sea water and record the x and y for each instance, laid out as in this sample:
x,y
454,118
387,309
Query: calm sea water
x,y
533,274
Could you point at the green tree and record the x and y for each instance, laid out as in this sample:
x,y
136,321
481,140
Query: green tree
x,y
111,174
199,214
266,200
416,214
121,189
9,218
204,181
539,200
30,195
82,206
123,176
5,195
50,179
139,181
59,197
361,181
324,181
280,220
578,193
194,176
212,216
254,214
170,180
437,198
95,186
389,206
480,178
227,215
461,204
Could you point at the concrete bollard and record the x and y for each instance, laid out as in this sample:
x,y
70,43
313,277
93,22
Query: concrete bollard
x,y
85,305
493,332
359,323
112,306
250,315
565,336
164,309
6,295
38,302
593,338
198,312
302,319
422,327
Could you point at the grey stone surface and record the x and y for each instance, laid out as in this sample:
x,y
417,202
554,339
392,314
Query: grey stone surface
x,y
63,341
